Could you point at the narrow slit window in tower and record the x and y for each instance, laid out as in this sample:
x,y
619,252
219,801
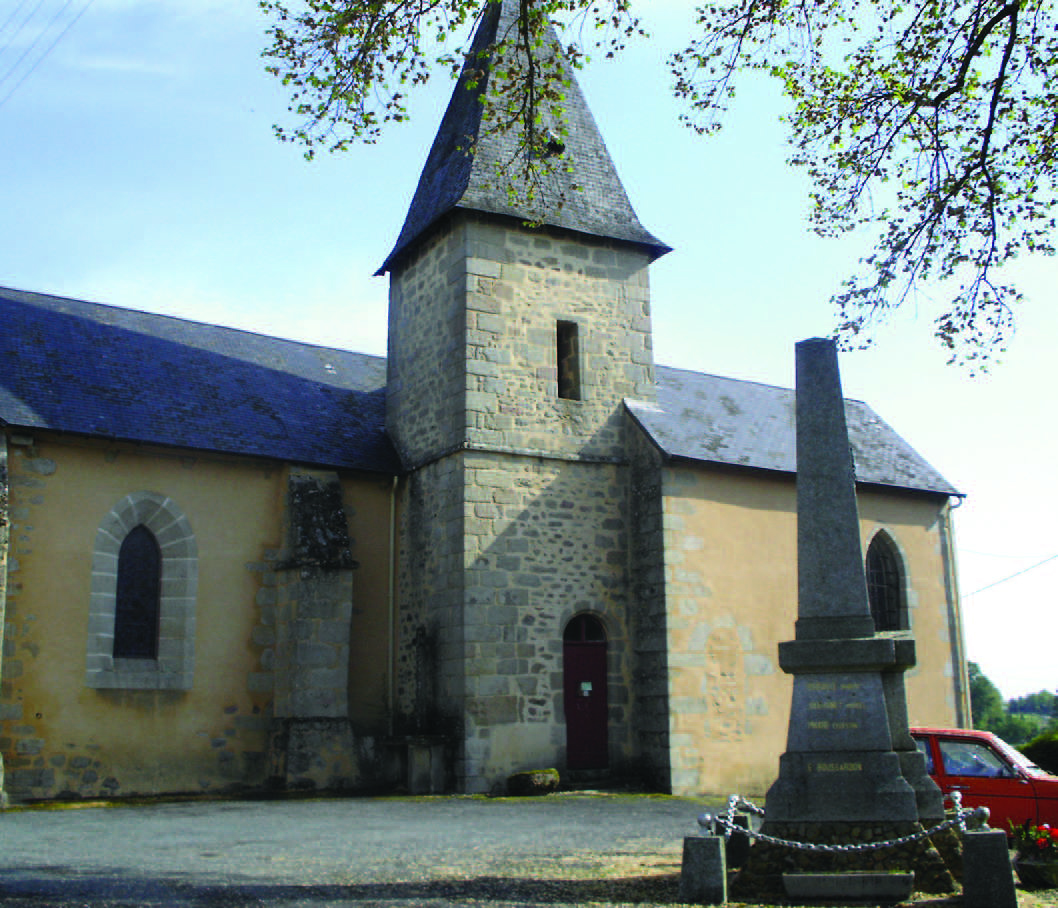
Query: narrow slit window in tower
x,y
568,361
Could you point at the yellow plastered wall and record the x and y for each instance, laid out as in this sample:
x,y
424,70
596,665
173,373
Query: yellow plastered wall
x,y
369,502
731,592
61,737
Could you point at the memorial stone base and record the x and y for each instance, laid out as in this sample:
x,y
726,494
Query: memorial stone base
x,y
761,876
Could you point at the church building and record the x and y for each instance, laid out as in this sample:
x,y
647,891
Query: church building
x,y
231,562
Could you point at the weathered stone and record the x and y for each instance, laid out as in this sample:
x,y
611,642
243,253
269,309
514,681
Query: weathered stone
x,y
855,886
703,873
317,527
314,754
850,772
533,782
988,879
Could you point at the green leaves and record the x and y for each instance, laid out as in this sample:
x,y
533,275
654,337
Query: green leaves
x,y
348,62
930,123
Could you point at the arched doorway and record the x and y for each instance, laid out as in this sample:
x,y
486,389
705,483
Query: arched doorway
x,y
584,687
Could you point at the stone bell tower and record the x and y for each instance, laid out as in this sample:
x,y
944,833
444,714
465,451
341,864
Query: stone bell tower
x,y
511,349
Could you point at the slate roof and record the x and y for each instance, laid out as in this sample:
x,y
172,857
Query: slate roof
x,y
97,370
582,194
712,419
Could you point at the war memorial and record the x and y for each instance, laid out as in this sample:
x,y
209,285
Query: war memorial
x,y
853,814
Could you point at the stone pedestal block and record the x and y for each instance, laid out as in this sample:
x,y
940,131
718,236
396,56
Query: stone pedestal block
x,y
703,876
841,786
884,888
988,879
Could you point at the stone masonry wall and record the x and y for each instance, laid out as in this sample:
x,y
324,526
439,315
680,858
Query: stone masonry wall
x,y
731,591
730,577
430,643
516,516
519,285
425,361
473,348
64,739
30,768
314,600
3,584
649,622
545,540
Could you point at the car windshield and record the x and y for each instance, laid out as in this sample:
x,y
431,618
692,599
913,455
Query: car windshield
x,y
1016,756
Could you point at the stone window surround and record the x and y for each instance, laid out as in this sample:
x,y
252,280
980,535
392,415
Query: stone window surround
x,y
568,370
174,667
890,542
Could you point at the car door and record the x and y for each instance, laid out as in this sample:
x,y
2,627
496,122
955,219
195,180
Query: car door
x,y
984,778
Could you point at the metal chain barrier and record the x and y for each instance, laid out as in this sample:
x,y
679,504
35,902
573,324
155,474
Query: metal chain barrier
x,y
977,816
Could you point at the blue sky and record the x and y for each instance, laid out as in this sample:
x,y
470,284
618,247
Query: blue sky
x,y
140,170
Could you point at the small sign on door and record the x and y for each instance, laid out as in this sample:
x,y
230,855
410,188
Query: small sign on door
x,y
585,688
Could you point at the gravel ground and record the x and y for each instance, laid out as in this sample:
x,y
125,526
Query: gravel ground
x,y
596,850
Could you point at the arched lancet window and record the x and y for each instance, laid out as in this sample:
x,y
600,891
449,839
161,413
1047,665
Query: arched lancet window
x,y
885,585
137,602
141,613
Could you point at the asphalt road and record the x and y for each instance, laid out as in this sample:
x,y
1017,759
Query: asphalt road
x,y
438,851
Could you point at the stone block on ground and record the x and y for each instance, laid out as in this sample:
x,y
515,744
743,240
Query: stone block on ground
x,y
703,875
884,888
738,843
988,879
533,782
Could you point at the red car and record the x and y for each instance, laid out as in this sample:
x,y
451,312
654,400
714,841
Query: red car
x,y
988,772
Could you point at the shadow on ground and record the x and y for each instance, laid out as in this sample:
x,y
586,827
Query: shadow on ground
x,y
140,892
52,889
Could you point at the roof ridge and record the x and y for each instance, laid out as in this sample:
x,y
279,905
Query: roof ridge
x,y
746,381
210,326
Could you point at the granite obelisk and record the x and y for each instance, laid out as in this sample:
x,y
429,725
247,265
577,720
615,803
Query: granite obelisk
x,y
850,772
839,764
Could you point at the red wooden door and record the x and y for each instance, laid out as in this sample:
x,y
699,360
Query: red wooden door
x,y
584,683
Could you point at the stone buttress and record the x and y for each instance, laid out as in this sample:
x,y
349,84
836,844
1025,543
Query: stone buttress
x,y
311,741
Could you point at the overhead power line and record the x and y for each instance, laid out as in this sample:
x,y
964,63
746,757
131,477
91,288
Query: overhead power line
x,y
35,41
7,21
1012,576
47,50
22,24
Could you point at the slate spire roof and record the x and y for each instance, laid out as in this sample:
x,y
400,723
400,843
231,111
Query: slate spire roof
x,y
582,192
